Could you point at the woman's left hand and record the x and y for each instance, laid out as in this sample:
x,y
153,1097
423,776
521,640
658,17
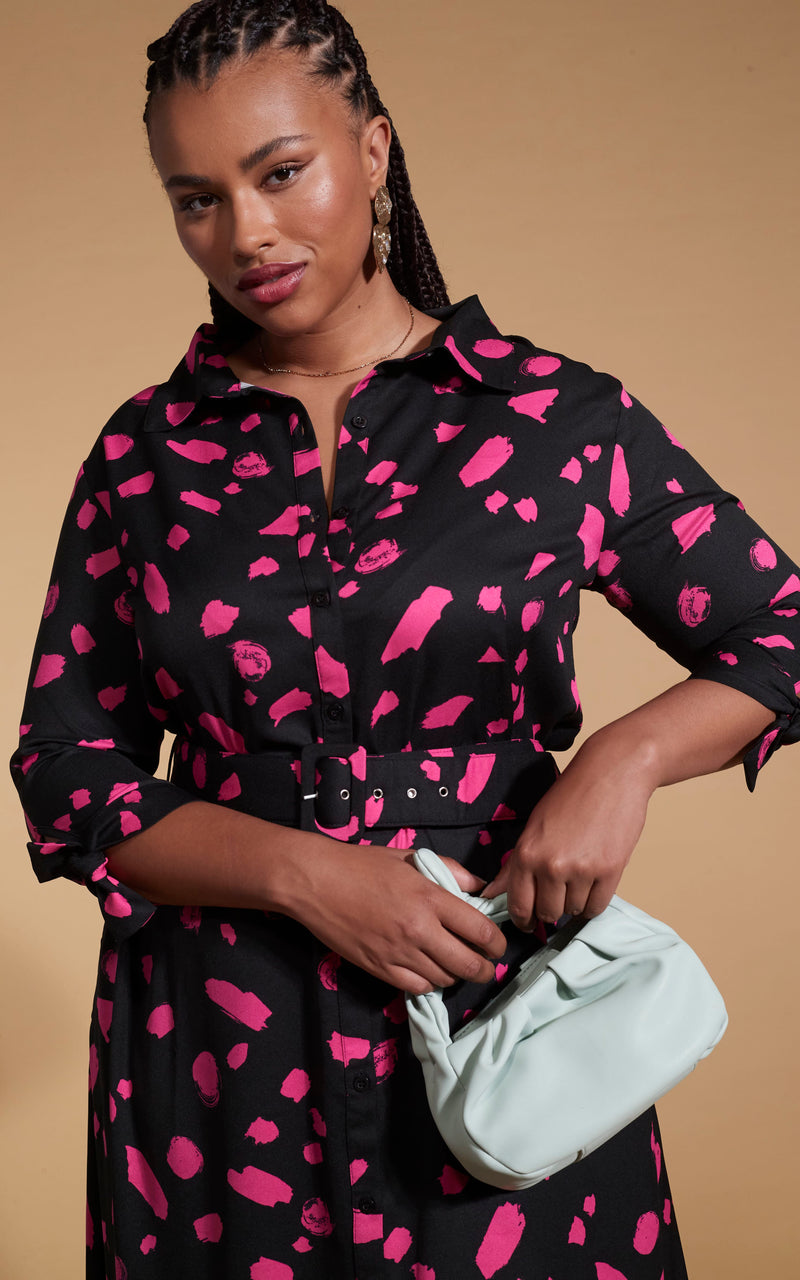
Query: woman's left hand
x,y
581,835
577,841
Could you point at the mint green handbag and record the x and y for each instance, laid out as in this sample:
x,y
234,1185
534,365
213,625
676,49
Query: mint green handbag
x,y
597,1024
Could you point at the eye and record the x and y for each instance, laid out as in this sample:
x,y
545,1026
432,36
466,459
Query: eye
x,y
198,203
283,174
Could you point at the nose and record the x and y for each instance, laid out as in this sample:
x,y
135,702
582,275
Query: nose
x,y
252,228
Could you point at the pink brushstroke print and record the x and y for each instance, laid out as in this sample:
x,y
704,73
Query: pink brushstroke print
x,y
208,1229
501,1239
141,1176
416,623
243,1006
387,702
462,360
447,712
534,404
492,455
229,739
316,1218
203,451
218,618
296,1085
397,1244
620,489
577,1232
260,1186
184,1158
688,528
452,1181
262,1131
591,535
646,1236
155,589
347,1049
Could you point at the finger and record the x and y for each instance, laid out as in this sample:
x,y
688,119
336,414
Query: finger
x,y
577,896
470,926
466,880
464,963
407,980
550,899
599,898
498,885
521,901
448,961
423,971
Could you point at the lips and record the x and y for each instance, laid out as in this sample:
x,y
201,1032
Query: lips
x,y
270,272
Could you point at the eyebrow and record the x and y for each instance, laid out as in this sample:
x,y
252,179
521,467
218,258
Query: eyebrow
x,y
247,163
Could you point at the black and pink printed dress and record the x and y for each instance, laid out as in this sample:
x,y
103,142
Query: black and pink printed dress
x,y
396,673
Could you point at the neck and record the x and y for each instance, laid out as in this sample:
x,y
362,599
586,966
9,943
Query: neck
x,y
362,328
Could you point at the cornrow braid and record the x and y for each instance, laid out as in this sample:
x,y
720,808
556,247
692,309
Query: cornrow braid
x,y
212,32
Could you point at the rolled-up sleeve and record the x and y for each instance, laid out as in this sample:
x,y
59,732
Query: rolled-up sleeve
x,y
89,742
681,557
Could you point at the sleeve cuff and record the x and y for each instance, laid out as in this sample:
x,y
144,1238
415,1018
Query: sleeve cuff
x,y
123,909
54,853
784,729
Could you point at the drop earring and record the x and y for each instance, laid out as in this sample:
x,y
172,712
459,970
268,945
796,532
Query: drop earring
x,y
381,235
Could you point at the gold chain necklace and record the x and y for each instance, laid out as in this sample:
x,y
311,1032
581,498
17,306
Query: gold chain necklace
x,y
335,373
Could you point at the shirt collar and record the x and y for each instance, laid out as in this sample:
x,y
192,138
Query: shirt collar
x,y
475,348
466,346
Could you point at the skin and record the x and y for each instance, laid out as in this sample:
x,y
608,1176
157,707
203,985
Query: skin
x,y
368,903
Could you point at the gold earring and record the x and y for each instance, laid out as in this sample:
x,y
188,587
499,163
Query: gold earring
x,y
381,235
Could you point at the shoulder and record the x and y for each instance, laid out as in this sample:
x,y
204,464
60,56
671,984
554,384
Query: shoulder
x,y
535,377
201,373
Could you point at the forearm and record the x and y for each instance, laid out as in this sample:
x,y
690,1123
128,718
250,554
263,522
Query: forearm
x,y
364,902
693,728
206,855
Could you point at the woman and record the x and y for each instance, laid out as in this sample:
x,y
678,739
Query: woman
x,y
338,554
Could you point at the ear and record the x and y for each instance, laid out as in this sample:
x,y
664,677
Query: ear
x,y
375,142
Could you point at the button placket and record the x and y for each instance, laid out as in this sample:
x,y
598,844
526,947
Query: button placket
x,y
358,1081
363,1125
324,615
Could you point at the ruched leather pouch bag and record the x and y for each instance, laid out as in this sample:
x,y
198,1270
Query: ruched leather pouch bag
x,y
592,1029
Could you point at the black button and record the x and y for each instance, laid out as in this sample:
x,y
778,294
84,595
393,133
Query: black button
x,y
367,1205
335,711
321,599
341,513
361,1084
359,421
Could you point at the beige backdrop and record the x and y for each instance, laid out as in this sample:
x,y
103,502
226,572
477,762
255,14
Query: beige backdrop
x,y
617,178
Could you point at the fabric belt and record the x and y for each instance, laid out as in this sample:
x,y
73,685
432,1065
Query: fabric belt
x,y
340,788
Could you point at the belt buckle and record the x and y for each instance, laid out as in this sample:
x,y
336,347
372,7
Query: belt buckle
x,y
326,789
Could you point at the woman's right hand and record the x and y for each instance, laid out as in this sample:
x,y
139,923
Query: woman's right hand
x,y
366,902
371,905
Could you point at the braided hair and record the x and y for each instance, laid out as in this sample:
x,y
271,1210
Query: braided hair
x,y
212,32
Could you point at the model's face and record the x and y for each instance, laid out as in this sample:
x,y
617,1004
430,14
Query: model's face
x,y
271,188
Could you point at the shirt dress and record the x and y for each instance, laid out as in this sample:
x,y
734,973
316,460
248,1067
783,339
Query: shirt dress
x,y
396,674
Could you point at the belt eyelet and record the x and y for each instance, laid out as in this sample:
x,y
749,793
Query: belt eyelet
x,y
344,794
444,791
377,794
412,793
